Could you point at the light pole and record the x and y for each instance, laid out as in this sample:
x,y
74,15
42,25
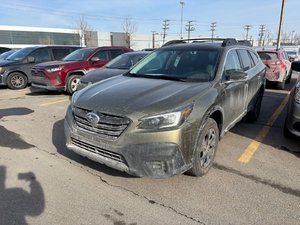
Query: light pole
x,y
153,38
247,28
182,4
280,25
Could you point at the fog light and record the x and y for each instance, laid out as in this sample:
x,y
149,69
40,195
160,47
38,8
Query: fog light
x,y
157,167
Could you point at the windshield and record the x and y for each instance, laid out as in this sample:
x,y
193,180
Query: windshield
x,y
6,54
20,54
78,55
125,61
194,65
267,55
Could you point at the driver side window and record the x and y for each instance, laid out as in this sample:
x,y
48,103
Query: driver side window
x,y
41,55
102,55
232,63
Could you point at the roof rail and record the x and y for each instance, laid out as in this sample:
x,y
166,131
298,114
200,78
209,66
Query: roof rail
x,y
226,41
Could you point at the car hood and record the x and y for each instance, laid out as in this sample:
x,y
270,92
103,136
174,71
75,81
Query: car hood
x,y
53,64
8,63
101,74
123,95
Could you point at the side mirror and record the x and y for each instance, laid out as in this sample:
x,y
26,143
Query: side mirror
x,y
31,59
95,59
296,66
235,76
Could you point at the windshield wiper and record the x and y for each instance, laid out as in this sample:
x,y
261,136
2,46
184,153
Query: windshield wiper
x,y
164,77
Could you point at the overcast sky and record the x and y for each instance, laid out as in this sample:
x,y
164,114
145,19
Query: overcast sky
x,y
107,15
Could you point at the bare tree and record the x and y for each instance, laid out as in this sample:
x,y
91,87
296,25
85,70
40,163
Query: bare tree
x,y
84,30
129,28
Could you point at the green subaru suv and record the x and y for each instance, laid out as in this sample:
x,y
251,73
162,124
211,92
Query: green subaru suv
x,y
166,115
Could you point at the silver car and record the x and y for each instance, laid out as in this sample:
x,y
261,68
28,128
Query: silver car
x,y
292,122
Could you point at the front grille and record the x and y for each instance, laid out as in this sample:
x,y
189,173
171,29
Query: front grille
x,y
109,126
100,151
37,73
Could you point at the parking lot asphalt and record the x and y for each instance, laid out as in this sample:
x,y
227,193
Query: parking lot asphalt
x,y
65,188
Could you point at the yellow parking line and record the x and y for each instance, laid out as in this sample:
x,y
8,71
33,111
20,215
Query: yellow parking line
x,y
55,102
253,146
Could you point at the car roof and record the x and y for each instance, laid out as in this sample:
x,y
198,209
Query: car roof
x,y
217,43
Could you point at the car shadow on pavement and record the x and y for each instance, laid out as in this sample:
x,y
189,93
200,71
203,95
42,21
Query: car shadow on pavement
x,y
275,136
59,141
41,92
16,203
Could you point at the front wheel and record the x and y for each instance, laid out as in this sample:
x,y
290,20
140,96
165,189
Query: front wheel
x,y
206,148
17,81
72,83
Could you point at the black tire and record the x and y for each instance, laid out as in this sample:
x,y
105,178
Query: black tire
x,y
205,152
288,79
17,81
253,114
72,83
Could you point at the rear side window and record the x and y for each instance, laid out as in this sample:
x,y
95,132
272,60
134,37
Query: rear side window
x,y
41,55
115,53
268,55
59,53
245,58
254,57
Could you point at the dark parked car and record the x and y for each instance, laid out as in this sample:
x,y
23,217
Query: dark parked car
x,y
117,66
4,55
15,69
166,115
65,75
292,122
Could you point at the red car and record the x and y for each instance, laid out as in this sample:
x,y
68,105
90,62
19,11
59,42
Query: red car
x,y
278,66
65,74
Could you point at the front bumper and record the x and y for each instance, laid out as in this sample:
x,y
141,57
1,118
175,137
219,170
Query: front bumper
x,y
40,80
156,159
293,117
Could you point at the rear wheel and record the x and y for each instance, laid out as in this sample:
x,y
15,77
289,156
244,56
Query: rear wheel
x,y
72,83
281,85
16,81
206,148
253,114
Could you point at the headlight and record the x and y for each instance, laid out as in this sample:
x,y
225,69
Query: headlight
x,y
54,69
297,92
167,120
1,70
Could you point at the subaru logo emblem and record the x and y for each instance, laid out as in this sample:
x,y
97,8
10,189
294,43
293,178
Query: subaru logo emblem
x,y
93,118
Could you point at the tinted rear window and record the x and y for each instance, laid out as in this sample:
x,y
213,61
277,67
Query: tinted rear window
x,y
268,55
60,53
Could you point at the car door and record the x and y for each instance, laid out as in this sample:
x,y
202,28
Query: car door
x,y
37,56
234,91
253,75
104,57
